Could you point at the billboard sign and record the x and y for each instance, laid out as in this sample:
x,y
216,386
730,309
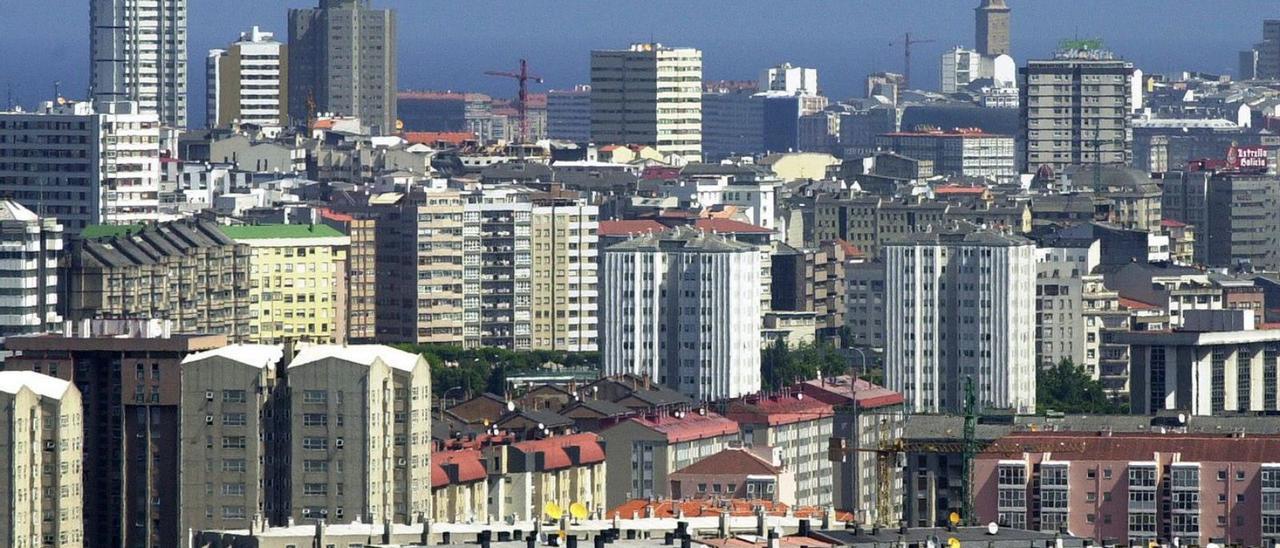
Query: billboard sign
x,y
1247,158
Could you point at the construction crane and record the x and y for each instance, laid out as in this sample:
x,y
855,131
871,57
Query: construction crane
x,y
889,453
906,43
522,101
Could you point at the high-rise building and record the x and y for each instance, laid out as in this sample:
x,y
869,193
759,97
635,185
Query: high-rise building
x,y
1061,332
1242,228
30,248
1266,54
732,123
82,166
1075,110
960,152
138,51
334,433
297,282
342,60
682,308
496,281
248,83
648,94
186,272
564,294
128,374
790,80
569,114
960,304
991,28
41,428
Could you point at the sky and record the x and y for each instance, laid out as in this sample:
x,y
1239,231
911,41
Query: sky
x,y
448,44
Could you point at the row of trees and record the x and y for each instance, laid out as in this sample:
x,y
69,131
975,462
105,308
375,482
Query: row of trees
x,y
479,370
1068,388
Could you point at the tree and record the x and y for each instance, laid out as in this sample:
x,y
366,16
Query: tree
x,y
1067,388
473,371
782,366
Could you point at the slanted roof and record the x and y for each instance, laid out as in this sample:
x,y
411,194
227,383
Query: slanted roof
x,y
94,232
729,226
12,382
733,461
260,356
630,227
456,467
363,354
778,410
555,450
14,211
692,426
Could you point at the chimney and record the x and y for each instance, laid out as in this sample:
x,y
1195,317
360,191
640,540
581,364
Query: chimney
x,y
804,528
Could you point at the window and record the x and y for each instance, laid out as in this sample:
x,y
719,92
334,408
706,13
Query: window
x,y
233,489
315,489
315,419
313,443
233,419
233,465
233,396
315,465
233,442
315,396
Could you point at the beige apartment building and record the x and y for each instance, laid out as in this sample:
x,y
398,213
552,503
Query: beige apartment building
x,y
40,439
648,94
565,244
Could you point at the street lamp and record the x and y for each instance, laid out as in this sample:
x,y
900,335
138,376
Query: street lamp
x,y
863,354
445,397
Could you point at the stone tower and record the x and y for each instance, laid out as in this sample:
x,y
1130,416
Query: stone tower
x,y
991,23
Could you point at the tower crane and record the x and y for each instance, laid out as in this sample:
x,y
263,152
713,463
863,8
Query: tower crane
x,y
522,101
906,42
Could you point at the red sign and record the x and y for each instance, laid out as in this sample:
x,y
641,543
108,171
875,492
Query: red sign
x,y
1247,158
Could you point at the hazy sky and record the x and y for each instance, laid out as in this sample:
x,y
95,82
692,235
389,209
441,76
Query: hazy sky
x,y
449,44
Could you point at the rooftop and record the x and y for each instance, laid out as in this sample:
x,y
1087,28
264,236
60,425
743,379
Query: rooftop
x,y
364,354
280,232
629,227
14,211
555,452
260,356
837,390
682,239
775,410
734,461
693,426
12,382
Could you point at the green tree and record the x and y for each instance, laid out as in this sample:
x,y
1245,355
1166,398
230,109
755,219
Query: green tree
x,y
782,366
1067,388
473,371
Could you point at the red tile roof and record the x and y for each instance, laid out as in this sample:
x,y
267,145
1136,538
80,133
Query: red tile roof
x,y
469,462
732,462
778,410
435,137
1170,223
660,173
1141,446
693,426
954,190
1135,304
734,507
629,227
729,226
335,216
554,450
843,389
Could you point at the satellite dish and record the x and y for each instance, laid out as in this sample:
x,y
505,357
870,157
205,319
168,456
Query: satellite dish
x,y
578,511
953,542
553,511
992,528
1213,545
954,518
800,396
511,406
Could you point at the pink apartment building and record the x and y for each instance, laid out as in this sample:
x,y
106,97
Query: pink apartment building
x,y
1135,487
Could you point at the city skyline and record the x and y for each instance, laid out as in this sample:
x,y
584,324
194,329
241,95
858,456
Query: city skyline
x,y
443,48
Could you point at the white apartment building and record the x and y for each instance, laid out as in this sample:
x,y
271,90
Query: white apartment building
x,y
138,51
247,83
682,308
648,94
960,304
789,79
569,114
1060,326
756,199
41,432
82,166
496,268
29,251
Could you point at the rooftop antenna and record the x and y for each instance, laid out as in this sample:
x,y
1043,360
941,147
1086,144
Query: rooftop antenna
x,y
57,90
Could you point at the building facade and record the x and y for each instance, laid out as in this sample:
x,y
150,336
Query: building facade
x,y
798,430
1060,326
297,282
30,249
248,83
569,114
648,94
81,165
960,152
644,451
960,306
138,53
1057,130
342,60
1203,372
1241,228
564,295
790,79
682,308
991,28
41,438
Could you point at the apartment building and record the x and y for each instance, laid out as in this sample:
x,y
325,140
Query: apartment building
x,y
644,451
186,272
30,248
960,305
40,452
339,431
798,430
564,295
648,94
128,375
1060,327
1241,227
569,114
297,282
81,163
1074,110
564,470
1105,314
864,315
228,419
682,308
342,54
968,152
138,52
497,263
248,83
1140,487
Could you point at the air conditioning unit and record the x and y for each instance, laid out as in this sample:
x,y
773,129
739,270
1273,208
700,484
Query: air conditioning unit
x,y
50,445
400,462
338,513
324,511
339,443
208,419
208,395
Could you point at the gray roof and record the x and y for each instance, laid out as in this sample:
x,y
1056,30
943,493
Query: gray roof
x,y
963,234
682,238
